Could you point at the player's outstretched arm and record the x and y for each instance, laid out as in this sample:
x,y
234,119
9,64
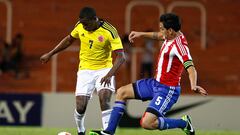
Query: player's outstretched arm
x,y
193,80
152,35
120,59
65,43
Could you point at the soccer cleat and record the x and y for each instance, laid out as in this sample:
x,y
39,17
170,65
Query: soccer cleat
x,y
81,133
189,130
98,132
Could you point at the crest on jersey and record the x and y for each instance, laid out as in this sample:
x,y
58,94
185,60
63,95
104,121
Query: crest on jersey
x,y
100,38
184,41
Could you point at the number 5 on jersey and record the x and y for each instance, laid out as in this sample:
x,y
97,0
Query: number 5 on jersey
x,y
90,43
158,100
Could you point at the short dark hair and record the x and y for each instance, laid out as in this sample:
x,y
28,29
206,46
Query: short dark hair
x,y
171,20
87,13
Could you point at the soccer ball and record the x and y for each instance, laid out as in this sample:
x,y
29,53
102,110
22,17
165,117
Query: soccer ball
x,y
64,133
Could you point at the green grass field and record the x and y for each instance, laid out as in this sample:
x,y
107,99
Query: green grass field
x,y
120,131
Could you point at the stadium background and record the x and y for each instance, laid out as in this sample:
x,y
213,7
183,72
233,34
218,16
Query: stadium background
x,y
44,23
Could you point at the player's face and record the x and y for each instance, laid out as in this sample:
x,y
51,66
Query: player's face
x,y
162,30
166,33
89,25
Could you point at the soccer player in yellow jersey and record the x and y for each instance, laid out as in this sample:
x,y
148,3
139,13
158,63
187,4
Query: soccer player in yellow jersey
x,y
96,71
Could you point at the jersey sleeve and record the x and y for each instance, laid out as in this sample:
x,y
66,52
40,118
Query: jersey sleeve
x,y
116,44
114,38
75,31
183,53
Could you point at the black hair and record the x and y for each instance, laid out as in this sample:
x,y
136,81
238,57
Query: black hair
x,y
87,13
171,20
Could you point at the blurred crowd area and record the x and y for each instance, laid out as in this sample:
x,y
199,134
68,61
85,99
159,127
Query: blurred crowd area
x,y
12,58
40,25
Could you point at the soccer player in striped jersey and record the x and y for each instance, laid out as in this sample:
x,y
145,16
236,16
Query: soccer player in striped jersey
x,y
164,89
98,39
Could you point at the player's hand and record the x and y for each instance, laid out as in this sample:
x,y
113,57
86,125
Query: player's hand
x,y
134,34
45,58
106,80
200,90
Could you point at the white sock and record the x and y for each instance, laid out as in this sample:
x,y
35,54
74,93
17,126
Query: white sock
x,y
105,118
79,119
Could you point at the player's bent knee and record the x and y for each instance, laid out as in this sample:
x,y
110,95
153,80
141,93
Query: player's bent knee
x,y
149,121
147,124
121,93
125,92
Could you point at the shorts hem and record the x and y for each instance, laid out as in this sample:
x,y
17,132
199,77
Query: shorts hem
x,y
82,94
111,89
154,111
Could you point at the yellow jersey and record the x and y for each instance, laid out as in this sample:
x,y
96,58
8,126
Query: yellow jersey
x,y
96,47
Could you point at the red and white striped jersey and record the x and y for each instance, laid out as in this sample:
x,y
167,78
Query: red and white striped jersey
x,y
173,57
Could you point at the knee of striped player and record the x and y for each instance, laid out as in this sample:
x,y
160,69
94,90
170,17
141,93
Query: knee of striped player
x,y
148,123
121,94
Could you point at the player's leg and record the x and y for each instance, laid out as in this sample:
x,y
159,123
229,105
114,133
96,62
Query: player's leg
x,y
123,93
138,90
164,98
150,122
104,99
105,94
79,114
84,89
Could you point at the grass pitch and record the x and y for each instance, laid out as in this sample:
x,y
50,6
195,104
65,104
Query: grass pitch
x,y
120,131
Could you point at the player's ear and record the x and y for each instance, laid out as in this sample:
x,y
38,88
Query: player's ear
x,y
96,18
171,31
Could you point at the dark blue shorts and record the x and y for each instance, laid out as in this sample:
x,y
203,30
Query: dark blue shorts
x,y
162,97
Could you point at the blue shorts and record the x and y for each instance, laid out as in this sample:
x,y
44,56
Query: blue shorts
x,y
162,97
